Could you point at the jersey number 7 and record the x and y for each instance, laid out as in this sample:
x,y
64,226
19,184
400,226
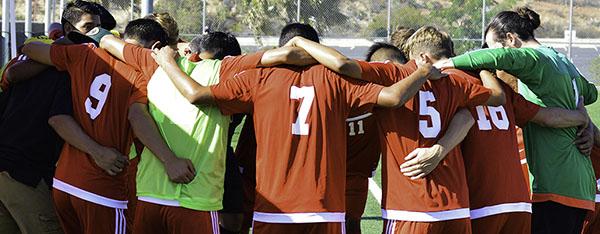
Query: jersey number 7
x,y
307,95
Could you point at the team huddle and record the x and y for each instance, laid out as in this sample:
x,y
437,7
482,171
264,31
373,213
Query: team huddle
x,y
148,120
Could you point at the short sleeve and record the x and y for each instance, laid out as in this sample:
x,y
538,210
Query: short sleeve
x,y
62,102
232,65
234,95
469,94
140,58
139,93
361,96
524,110
385,73
63,56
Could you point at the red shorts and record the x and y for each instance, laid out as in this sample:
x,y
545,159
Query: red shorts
x,y
131,191
79,216
591,224
153,218
462,226
298,228
357,190
508,223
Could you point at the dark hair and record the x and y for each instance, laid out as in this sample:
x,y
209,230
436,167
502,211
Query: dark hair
x,y
391,53
74,10
146,30
220,44
523,21
297,29
107,21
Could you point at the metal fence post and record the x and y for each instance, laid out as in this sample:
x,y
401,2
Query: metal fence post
x,y
570,48
5,33
131,5
203,17
13,29
47,16
483,22
147,7
298,11
389,19
28,18
61,4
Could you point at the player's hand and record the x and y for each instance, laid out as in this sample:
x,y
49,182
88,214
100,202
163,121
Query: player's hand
x,y
180,170
164,55
110,160
444,63
422,161
433,72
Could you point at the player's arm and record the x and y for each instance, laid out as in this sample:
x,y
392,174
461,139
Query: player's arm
x,y
39,52
109,159
179,170
515,61
423,161
286,55
329,57
193,91
24,70
490,81
554,117
402,91
588,90
113,45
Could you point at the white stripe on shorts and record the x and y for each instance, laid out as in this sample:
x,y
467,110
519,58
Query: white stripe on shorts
x,y
120,222
214,217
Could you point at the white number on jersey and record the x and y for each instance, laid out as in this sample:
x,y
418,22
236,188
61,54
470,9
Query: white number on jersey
x,y
425,97
307,94
99,91
497,114
361,129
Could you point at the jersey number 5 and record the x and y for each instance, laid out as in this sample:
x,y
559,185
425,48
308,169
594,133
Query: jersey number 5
x,y
307,94
99,91
425,97
497,114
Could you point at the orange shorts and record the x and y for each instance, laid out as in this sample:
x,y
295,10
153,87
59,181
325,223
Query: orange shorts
x,y
357,190
508,223
591,224
153,218
298,228
79,216
131,192
462,226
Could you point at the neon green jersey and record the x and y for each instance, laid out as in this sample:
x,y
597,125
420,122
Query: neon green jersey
x,y
561,173
198,133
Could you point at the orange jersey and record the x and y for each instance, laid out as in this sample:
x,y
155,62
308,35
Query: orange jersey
x,y
421,122
363,144
491,155
103,89
4,81
141,59
299,117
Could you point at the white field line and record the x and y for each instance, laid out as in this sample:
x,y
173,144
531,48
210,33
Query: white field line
x,y
375,190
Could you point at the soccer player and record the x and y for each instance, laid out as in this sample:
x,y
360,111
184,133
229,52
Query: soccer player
x,y
415,202
298,187
90,192
203,128
29,148
591,224
547,78
400,35
363,147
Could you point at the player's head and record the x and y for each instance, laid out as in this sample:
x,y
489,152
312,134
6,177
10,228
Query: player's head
x,y
80,16
400,35
215,45
381,52
168,23
428,45
145,33
297,29
512,28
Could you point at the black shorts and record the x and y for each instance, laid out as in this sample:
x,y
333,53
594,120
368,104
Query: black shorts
x,y
551,217
233,196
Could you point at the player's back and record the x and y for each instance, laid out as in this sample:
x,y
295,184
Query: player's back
x,y
103,88
299,116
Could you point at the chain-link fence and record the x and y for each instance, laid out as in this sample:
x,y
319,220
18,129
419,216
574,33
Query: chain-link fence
x,y
352,25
